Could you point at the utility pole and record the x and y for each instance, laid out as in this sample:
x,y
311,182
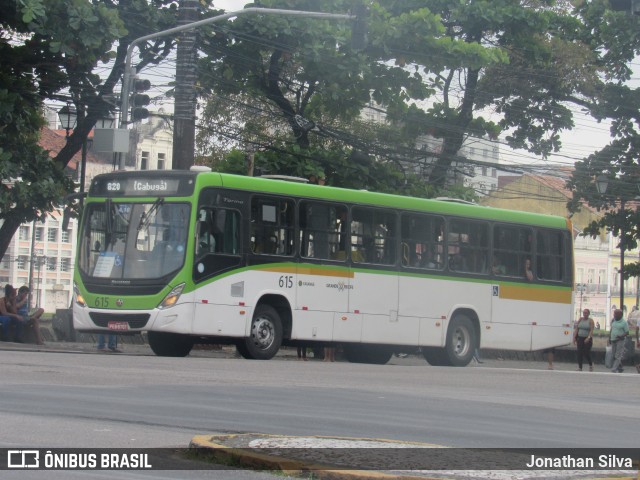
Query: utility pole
x,y
184,117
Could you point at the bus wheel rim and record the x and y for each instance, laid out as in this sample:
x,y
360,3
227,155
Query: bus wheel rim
x,y
263,333
461,341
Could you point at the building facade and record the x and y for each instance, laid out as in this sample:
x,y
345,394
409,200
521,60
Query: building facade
x,y
152,143
41,256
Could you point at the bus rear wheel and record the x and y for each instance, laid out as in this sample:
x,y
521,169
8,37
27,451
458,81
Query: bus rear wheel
x,y
166,344
461,341
265,337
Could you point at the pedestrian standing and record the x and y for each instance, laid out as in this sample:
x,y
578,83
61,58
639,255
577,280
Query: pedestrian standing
x,y
583,338
549,353
108,343
302,352
618,334
634,326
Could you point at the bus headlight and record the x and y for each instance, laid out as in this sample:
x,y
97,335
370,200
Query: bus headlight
x,y
79,298
172,297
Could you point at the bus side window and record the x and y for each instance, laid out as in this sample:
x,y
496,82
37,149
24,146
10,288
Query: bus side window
x,y
549,255
272,226
422,237
373,236
512,245
206,241
218,232
322,230
468,244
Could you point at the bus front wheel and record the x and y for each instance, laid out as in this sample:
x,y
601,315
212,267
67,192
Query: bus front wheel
x,y
166,344
265,337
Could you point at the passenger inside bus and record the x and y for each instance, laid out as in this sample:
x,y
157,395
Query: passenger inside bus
x,y
528,273
497,268
457,262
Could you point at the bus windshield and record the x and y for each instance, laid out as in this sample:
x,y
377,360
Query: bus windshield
x,y
133,240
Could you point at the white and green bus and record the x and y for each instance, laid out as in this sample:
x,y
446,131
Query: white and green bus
x,y
195,257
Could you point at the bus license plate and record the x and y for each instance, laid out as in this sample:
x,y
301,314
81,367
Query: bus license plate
x,y
118,326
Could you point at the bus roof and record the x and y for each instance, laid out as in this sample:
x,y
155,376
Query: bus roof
x,y
323,192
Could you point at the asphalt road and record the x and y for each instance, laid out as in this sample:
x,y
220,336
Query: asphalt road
x,y
79,399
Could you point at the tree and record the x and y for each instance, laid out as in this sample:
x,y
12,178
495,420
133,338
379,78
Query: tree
x,y
615,34
505,66
55,50
436,67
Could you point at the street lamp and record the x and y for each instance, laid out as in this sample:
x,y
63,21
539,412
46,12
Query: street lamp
x,y
107,122
68,117
602,182
581,287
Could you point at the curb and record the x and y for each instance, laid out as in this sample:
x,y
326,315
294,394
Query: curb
x,y
217,448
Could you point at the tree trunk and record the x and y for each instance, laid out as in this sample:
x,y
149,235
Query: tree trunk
x,y
7,231
453,141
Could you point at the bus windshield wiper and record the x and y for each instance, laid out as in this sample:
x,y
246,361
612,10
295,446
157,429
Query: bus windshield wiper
x,y
145,219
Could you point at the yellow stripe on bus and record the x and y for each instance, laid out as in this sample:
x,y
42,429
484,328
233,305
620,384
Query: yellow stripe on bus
x,y
325,272
519,292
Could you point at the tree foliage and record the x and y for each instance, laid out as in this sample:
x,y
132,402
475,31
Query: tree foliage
x,y
59,50
436,67
616,34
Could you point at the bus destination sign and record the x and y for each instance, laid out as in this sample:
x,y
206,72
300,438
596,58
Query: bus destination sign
x,y
109,186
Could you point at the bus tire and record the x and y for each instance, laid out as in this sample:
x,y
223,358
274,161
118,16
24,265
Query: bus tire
x,y
165,344
434,356
265,337
461,341
374,354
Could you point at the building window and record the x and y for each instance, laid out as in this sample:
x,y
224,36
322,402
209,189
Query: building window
x,y
494,173
52,264
144,161
161,161
65,236
65,264
24,233
52,235
39,234
22,262
484,171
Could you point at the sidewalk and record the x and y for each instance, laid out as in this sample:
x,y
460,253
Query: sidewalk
x,y
565,358
331,458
